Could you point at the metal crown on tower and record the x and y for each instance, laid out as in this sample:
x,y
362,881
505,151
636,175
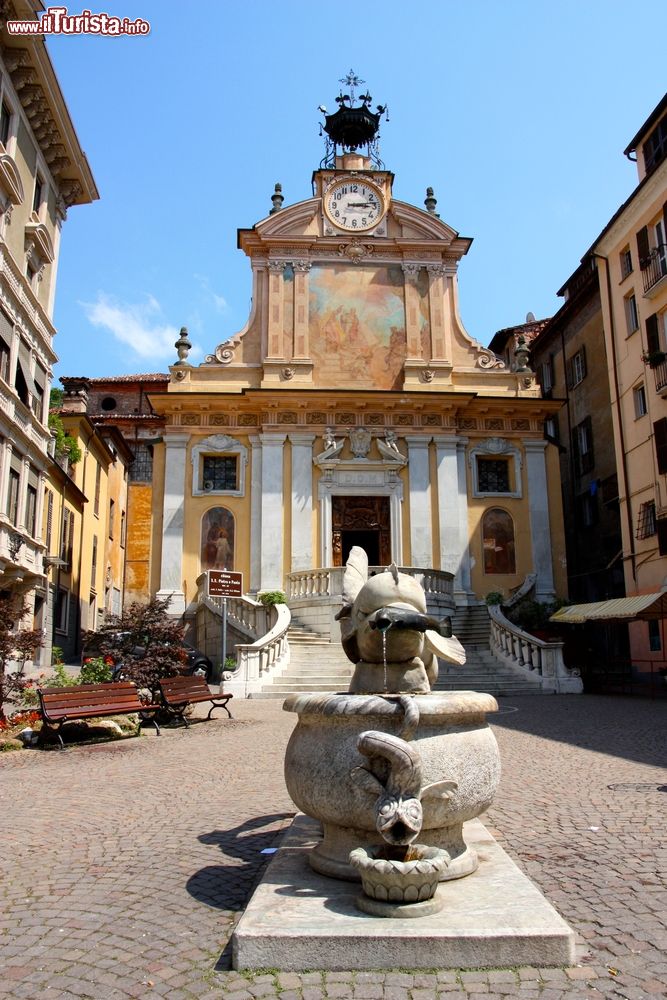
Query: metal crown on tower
x,y
353,126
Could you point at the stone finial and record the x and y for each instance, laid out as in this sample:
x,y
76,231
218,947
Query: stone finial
x,y
430,201
277,199
183,346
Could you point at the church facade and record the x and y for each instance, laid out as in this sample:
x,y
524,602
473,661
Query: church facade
x,y
354,408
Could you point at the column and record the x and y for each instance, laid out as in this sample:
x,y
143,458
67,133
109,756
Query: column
x,y
453,513
302,501
465,593
271,557
538,506
171,572
255,513
421,539
326,513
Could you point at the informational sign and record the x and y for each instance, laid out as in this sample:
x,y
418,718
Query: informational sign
x,y
224,583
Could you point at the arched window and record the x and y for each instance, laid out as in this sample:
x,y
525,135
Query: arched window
x,y
217,539
498,541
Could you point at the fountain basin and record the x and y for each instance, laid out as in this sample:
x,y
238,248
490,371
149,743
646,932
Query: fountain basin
x,y
455,743
401,888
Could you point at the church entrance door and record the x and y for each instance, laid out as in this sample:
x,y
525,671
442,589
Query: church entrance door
x,y
363,521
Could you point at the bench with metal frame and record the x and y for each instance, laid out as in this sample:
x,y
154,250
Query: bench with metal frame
x,y
59,705
179,692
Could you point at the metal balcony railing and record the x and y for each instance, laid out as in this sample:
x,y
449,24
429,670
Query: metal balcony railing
x,y
654,267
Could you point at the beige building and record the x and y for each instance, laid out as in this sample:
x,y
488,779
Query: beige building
x,y
43,172
631,256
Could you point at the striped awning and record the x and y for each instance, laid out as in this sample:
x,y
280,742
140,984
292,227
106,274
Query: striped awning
x,y
644,606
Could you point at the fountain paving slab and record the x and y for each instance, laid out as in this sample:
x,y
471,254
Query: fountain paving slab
x,y
298,919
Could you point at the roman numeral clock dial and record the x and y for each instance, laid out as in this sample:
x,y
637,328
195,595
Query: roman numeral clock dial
x,y
353,205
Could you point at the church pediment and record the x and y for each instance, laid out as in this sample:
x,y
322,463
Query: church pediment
x,y
420,225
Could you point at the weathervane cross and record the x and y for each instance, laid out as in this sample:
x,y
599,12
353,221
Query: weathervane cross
x,y
352,81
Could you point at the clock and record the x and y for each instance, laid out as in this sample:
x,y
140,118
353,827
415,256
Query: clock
x,y
354,205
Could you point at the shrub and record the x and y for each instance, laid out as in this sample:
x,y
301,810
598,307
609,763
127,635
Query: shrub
x,y
494,597
96,670
270,597
16,647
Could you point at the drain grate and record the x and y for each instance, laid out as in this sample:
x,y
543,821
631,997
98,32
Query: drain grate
x,y
636,786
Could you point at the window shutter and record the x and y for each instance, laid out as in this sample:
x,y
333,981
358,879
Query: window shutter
x,y
582,352
569,374
589,458
652,334
660,436
664,216
642,247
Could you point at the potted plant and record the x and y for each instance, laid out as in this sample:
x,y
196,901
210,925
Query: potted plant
x,y
654,358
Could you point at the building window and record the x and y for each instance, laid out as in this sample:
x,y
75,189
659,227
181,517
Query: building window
x,y
49,520
218,466
13,496
108,403
545,376
98,483
551,430
112,517
626,262
122,529
61,610
655,147
646,522
576,368
38,194
498,542
5,123
587,509
493,475
639,396
662,536
660,440
93,564
31,511
631,314
582,446
141,469
654,643
67,543
219,473
217,539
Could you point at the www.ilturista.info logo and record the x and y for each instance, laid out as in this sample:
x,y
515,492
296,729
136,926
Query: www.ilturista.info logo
x,y
57,21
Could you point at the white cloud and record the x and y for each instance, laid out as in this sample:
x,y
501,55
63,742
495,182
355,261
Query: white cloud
x,y
138,326
219,301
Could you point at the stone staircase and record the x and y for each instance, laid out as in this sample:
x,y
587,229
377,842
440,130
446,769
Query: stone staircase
x,y
319,665
315,665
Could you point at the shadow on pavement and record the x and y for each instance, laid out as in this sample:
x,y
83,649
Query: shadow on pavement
x,y
229,886
630,728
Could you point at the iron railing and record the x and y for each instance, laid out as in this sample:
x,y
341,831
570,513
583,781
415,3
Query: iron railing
x,y
654,267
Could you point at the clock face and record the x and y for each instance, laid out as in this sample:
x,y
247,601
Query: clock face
x,y
354,205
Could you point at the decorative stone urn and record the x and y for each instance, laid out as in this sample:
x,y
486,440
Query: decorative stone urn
x,y
455,744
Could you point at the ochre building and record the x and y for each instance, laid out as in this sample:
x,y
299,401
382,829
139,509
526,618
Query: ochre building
x,y
354,409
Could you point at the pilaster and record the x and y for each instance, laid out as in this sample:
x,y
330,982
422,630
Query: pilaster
x,y
301,345
255,513
271,556
171,571
453,513
538,506
302,501
441,347
421,539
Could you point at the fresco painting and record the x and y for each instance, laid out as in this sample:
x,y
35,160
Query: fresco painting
x,y
217,539
357,325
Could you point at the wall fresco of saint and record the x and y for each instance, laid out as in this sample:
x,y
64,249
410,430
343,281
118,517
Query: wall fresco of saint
x,y
357,325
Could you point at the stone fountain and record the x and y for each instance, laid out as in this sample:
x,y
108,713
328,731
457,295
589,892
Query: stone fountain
x,y
378,768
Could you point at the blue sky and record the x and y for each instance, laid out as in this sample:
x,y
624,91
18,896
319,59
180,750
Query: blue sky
x,y
517,113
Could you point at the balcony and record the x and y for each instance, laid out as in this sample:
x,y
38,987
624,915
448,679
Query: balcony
x,y
660,371
654,269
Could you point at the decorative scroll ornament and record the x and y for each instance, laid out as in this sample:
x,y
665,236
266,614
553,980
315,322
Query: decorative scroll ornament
x,y
488,361
355,251
224,355
360,441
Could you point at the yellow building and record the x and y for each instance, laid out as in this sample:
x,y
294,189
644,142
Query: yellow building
x,y
43,172
631,255
354,409
85,527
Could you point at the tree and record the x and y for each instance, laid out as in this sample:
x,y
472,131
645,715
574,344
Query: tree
x,y
66,446
16,647
144,640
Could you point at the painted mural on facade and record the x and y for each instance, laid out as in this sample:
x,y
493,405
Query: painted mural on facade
x,y
357,325
217,539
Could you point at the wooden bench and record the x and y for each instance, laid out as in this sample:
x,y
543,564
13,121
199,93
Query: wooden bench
x,y
90,701
179,692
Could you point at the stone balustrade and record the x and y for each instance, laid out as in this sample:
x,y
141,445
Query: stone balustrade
x,y
328,582
267,652
521,650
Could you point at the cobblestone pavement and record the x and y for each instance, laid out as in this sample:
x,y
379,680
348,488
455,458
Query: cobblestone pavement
x,y
123,867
